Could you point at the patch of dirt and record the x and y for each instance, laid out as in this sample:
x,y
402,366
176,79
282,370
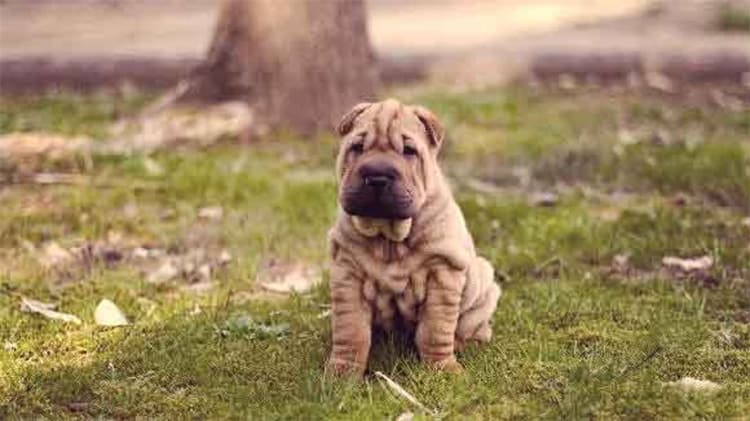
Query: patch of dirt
x,y
90,43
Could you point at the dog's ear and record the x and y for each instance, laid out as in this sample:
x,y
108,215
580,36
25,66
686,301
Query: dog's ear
x,y
347,121
432,126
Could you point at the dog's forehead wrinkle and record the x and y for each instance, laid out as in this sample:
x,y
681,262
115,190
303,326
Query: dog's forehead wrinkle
x,y
385,124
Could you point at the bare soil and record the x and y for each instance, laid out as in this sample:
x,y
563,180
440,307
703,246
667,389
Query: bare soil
x,y
87,43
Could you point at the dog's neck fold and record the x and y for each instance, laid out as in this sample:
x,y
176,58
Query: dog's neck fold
x,y
393,229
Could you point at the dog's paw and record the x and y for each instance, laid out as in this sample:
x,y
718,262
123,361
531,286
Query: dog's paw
x,y
342,368
449,365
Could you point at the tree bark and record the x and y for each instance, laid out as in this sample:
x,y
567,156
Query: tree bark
x,y
299,63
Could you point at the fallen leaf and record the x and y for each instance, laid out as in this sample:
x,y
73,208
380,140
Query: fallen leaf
x,y
626,137
544,199
146,253
406,416
212,213
621,260
605,213
690,384
108,314
688,265
166,272
152,167
204,272
659,81
225,257
47,310
53,255
293,278
37,304
140,253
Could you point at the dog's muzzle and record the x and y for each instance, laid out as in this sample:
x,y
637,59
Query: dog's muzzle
x,y
377,191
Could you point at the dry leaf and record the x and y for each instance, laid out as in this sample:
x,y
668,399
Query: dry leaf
x,y
212,213
690,384
146,253
225,257
204,272
688,265
108,314
621,260
152,167
294,278
544,199
47,310
140,253
659,81
166,272
53,255
406,416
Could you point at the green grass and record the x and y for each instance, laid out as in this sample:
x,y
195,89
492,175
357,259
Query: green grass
x,y
573,338
733,18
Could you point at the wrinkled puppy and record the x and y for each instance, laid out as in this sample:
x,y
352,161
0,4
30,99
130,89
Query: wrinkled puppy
x,y
400,251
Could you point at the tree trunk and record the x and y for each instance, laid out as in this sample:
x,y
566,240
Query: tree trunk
x,y
299,63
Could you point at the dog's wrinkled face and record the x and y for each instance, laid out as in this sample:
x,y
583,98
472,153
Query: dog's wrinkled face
x,y
387,159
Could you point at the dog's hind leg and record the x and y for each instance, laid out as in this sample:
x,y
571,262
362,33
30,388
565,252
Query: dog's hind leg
x,y
478,303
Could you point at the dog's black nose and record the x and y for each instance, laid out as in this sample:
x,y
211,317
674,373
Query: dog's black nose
x,y
378,174
377,180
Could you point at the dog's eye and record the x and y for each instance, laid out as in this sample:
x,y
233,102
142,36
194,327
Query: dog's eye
x,y
357,148
410,150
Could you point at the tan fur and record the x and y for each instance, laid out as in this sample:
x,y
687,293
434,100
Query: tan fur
x,y
424,272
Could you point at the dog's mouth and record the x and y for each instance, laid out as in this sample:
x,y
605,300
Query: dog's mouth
x,y
384,204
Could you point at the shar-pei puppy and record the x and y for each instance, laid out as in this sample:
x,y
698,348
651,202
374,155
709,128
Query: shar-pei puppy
x,y
400,253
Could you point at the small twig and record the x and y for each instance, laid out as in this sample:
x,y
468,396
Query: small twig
x,y
640,363
554,260
403,393
223,306
58,178
166,100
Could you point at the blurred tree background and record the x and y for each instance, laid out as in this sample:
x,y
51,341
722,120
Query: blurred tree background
x,y
300,64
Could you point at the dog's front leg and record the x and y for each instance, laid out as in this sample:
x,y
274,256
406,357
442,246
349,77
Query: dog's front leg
x,y
435,337
351,319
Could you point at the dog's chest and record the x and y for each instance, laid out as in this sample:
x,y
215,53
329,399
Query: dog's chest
x,y
392,296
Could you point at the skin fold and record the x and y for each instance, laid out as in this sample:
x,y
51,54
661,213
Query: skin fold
x,y
400,253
